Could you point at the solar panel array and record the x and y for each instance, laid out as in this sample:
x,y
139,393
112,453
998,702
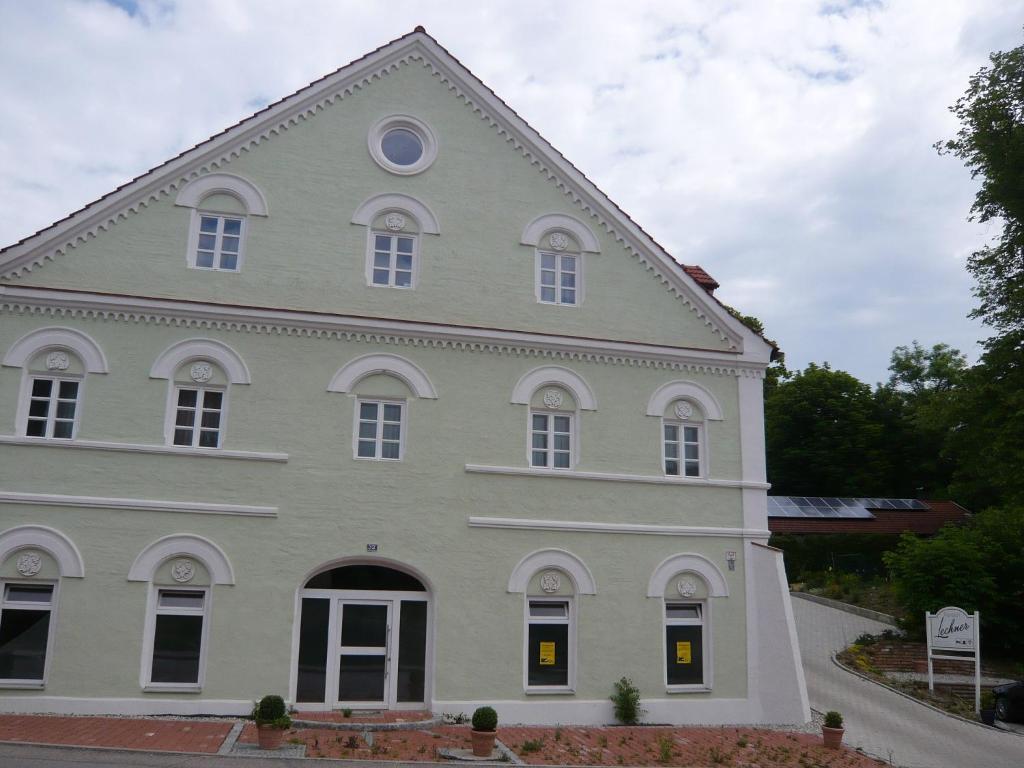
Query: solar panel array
x,y
829,506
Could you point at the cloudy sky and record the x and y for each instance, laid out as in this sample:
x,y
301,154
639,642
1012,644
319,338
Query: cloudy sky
x,y
784,146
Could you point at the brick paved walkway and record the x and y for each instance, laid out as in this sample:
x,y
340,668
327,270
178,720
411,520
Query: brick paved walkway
x,y
123,733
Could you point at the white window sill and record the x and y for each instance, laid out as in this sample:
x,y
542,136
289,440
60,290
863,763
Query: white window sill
x,y
549,690
172,688
171,450
30,685
688,688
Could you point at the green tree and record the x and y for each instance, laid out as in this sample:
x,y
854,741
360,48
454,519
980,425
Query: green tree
x,y
823,436
977,567
991,144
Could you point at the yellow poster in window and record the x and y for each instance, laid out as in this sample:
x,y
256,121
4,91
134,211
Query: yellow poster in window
x,y
547,654
683,655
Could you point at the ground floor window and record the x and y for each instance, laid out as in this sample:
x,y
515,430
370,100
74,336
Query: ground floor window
x,y
178,632
548,644
25,618
684,644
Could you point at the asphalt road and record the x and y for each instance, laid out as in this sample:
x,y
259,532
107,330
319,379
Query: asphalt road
x,y
882,723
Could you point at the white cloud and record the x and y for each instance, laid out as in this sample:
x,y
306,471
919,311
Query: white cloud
x,y
785,147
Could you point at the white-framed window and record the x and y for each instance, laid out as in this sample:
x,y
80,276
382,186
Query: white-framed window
x,y
392,259
380,430
551,438
26,632
550,644
402,144
198,416
216,241
558,278
687,650
52,407
177,630
681,448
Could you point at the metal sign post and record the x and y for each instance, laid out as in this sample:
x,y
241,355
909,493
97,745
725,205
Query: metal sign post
x,y
959,634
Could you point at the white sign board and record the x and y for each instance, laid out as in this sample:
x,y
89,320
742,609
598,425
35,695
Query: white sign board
x,y
951,629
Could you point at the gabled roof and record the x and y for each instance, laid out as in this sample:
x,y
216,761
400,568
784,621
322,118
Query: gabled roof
x,y
690,284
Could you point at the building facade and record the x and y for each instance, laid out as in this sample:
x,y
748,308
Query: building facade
x,y
375,401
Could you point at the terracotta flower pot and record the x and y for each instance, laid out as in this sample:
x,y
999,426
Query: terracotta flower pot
x,y
832,737
483,742
269,736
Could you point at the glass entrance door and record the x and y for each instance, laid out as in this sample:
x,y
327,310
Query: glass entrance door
x,y
364,653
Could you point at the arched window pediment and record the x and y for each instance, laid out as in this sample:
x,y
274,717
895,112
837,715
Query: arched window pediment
x,y
196,190
406,371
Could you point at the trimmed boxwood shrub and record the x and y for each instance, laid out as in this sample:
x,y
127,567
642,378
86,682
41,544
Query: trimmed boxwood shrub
x,y
485,719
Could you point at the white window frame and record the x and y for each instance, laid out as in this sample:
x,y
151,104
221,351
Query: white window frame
x,y
193,239
570,600
707,661
403,434
152,609
371,243
172,415
540,252
51,630
25,403
701,448
573,438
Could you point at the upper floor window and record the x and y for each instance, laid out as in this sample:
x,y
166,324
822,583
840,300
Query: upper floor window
x,y
379,429
682,440
222,206
559,270
218,242
551,440
53,407
402,144
197,418
392,259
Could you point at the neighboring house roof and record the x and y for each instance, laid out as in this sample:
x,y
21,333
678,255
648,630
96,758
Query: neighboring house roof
x,y
691,284
811,515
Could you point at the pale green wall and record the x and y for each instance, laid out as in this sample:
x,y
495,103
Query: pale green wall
x,y
307,254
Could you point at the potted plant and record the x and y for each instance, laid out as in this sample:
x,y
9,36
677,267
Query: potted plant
x,y
272,721
485,723
988,707
832,730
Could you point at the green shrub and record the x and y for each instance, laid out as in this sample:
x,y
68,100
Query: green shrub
x,y
270,710
626,700
485,719
833,719
531,745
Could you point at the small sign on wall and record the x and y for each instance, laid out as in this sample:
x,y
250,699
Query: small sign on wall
x,y
684,653
547,654
371,547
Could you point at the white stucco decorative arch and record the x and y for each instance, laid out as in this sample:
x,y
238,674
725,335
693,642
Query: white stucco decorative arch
x,y
192,194
688,390
50,540
561,559
533,380
57,337
378,204
401,368
687,562
183,545
201,349
540,226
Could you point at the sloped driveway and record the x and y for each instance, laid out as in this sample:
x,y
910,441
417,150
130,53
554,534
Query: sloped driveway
x,y
881,722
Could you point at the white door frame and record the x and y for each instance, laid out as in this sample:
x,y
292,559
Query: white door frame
x,y
364,596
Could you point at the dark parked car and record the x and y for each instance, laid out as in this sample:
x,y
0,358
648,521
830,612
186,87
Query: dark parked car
x,y
1010,701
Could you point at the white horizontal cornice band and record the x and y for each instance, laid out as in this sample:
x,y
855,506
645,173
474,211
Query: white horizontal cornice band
x,y
166,450
204,315
571,526
140,505
614,477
